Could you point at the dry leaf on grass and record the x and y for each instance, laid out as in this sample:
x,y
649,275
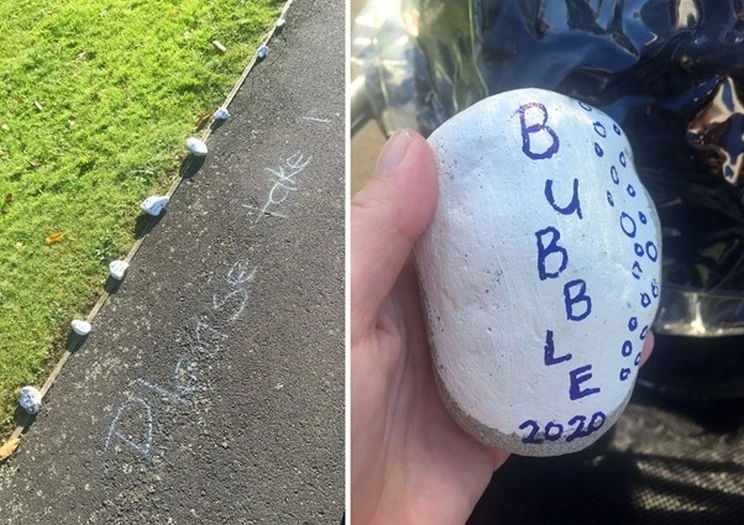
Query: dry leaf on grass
x,y
203,120
54,237
8,448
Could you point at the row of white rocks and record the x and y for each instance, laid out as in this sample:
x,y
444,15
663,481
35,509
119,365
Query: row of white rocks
x,y
30,396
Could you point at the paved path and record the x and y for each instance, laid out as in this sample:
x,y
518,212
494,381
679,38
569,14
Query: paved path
x,y
211,390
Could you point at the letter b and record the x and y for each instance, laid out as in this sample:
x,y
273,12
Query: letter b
x,y
572,298
551,249
535,128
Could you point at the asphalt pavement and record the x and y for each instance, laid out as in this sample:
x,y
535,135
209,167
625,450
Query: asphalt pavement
x,y
211,389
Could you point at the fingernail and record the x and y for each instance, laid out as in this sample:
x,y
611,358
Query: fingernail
x,y
394,151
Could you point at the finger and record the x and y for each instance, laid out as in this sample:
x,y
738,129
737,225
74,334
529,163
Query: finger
x,y
648,347
387,217
498,457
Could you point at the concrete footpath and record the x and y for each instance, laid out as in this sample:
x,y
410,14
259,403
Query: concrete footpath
x,y
211,389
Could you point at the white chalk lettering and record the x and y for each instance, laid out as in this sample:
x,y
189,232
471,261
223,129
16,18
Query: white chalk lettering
x,y
209,339
240,273
132,407
239,296
283,187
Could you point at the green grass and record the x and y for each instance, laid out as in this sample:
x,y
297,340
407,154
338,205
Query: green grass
x,y
121,84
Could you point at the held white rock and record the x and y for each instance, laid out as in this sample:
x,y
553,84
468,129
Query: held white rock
x,y
154,205
196,147
81,328
30,399
539,273
221,114
118,269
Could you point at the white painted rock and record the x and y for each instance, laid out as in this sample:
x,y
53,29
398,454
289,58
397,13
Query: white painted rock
x,y
262,52
196,147
81,328
539,273
30,399
154,205
221,114
118,269
280,23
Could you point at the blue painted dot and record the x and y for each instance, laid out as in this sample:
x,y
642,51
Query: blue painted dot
x,y
633,324
600,129
631,191
585,106
637,360
623,162
628,225
598,150
616,129
644,332
638,250
652,251
642,217
627,348
614,175
624,373
645,302
609,199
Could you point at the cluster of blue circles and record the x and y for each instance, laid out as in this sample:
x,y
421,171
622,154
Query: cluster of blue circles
x,y
627,349
629,227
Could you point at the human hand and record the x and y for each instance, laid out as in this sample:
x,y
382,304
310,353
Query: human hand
x,y
410,461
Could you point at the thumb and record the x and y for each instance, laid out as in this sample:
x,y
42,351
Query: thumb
x,y
387,217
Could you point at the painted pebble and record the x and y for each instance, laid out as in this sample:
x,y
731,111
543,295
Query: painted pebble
x,y
280,23
221,114
262,52
30,399
118,269
81,328
154,205
196,147
540,272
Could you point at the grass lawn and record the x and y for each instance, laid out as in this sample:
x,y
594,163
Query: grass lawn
x,y
97,99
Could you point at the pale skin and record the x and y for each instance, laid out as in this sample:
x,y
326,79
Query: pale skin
x,y
410,462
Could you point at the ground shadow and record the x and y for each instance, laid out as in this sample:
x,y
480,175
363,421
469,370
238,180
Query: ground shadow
x,y
190,166
145,223
75,341
217,124
23,418
111,285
